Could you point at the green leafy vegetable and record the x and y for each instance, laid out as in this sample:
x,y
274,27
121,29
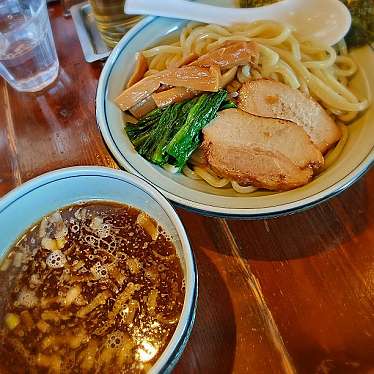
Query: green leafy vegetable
x,y
362,29
139,132
171,134
255,3
152,148
187,139
227,104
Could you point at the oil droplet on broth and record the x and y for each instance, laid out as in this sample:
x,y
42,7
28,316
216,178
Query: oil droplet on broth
x,y
146,351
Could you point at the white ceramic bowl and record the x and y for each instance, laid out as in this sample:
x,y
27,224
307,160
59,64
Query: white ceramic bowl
x,y
28,203
356,158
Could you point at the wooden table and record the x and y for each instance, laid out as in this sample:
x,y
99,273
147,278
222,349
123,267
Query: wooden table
x,y
291,294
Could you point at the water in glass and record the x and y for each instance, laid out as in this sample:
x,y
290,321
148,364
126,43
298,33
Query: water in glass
x,y
28,59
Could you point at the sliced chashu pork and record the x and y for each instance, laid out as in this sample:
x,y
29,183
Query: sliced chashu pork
x,y
269,98
263,152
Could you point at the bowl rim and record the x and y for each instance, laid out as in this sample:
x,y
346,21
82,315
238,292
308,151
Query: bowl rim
x,y
174,349
198,207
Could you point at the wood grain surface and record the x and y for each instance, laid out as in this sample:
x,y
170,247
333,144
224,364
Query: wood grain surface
x,y
284,295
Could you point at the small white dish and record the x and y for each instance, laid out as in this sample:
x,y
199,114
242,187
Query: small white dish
x,y
93,46
355,160
30,202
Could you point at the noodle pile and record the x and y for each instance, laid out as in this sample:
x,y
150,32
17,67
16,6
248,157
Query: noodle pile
x,y
323,72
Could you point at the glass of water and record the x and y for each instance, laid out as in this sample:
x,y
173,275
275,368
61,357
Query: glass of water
x,y
28,59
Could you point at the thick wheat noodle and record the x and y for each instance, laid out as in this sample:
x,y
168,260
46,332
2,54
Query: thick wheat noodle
x,y
343,80
347,117
242,189
208,35
188,43
188,172
323,64
268,57
150,72
285,71
295,47
352,66
174,60
186,32
240,76
309,48
155,61
264,27
330,97
200,46
332,156
342,48
209,177
314,69
330,80
170,60
219,30
325,93
304,87
275,41
156,51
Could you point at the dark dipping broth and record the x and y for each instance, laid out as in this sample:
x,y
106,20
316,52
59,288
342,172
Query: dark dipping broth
x,y
92,288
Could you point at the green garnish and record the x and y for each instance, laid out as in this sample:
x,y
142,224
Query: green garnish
x,y
187,139
171,134
362,29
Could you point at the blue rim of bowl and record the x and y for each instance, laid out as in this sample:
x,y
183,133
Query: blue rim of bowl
x,y
81,171
209,210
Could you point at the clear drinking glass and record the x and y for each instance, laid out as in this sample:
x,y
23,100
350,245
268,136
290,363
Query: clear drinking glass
x,y
111,20
28,59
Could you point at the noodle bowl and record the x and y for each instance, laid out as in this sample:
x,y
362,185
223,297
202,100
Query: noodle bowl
x,y
322,72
